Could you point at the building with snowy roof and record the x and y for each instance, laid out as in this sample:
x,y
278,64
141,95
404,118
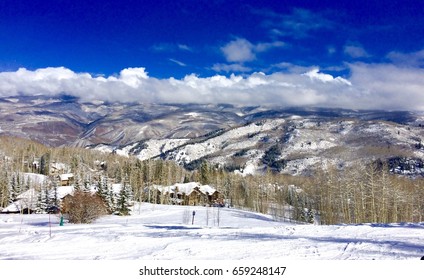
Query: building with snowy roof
x,y
192,193
66,179
27,201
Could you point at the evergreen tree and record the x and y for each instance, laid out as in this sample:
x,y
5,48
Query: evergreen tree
x,y
111,200
310,216
54,197
87,184
40,206
46,197
77,181
104,192
204,173
45,164
124,200
13,188
100,188
186,179
43,199
27,185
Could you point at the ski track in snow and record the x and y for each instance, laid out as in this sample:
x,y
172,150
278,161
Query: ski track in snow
x,y
160,232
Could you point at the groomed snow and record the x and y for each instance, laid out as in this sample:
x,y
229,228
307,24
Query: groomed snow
x,y
163,232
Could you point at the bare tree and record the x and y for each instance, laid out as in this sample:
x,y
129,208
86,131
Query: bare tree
x,y
83,208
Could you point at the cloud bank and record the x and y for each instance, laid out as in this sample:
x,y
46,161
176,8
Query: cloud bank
x,y
370,86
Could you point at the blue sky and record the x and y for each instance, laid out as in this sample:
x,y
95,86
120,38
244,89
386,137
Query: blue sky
x,y
167,43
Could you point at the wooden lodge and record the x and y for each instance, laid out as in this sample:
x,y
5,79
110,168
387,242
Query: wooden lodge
x,y
185,194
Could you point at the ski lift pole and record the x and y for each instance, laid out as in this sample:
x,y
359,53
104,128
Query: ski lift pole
x,y
50,226
192,219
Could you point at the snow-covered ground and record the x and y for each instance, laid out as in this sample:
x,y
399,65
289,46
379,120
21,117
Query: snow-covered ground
x,y
164,232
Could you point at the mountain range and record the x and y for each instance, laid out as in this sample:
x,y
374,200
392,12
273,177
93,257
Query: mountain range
x,y
244,139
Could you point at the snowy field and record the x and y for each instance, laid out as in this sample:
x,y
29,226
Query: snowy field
x,y
162,232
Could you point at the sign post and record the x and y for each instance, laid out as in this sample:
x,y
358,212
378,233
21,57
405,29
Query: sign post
x,y
50,226
192,220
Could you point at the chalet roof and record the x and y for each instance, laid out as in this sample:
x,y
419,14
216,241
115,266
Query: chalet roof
x,y
34,178
28,195
58,165
14,207
64,191
27,199
186,188
66,177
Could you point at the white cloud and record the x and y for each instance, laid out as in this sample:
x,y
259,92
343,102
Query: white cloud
x,y
133,76
299,23
293,68
184,47
415,59
302,21
370,86
163,47
170,47
235,67
356,51
314,74
239,50
262,47
182,64
389,86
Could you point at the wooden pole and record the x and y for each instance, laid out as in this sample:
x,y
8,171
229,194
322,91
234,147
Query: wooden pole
x,y
50,226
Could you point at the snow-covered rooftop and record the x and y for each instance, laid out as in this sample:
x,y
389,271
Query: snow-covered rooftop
x,y
186,188
66,177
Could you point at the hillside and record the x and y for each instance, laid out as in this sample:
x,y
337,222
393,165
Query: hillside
x,y
164,232
63,120
295,145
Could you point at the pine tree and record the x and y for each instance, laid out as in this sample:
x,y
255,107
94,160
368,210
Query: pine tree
x,y
40,206
111,200
87,182
14,188
100,188
45,164
54,196
309,213
27,185
124,200
43,199
104,192
77,182
204,173
46,197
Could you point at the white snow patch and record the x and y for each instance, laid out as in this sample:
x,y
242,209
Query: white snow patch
x,y
155,147
216,144
162,232
104,148
193,114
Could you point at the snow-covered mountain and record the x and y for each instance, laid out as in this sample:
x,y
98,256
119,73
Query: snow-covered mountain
x,y
65,121
246,139
293,144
